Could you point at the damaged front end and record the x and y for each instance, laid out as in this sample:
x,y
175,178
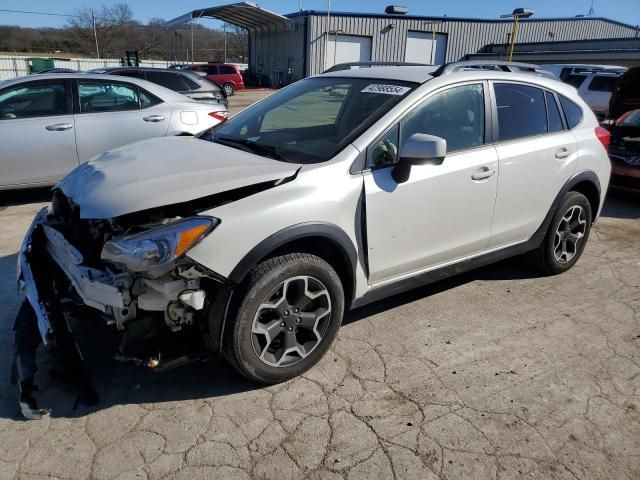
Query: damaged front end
x,y
130,272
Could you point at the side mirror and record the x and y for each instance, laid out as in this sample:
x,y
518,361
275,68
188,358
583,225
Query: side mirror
x,y
419,148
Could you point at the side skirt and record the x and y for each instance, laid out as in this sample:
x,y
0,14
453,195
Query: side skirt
x,y
432,276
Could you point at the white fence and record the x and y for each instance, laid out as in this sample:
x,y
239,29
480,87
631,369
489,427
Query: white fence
x,y
17,66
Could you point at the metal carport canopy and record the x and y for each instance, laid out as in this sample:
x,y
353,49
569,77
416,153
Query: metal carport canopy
x,y
244,14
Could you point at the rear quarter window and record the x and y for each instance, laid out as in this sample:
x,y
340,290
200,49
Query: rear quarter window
x,y
603,84
572,111
172,81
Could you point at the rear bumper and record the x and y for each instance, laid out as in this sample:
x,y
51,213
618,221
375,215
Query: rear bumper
x,y
632,183
620,167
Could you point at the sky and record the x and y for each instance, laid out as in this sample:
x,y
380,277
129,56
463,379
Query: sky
x,y
627,11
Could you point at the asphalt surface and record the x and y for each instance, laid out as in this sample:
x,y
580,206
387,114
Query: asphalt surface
x,y
497,373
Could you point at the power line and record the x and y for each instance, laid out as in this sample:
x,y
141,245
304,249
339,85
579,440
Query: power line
x,y
67,15
38,13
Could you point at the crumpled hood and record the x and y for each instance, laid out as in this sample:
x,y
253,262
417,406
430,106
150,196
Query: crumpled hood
x,y
164,171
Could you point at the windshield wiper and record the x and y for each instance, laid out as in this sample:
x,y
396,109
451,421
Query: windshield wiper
x,y
252,147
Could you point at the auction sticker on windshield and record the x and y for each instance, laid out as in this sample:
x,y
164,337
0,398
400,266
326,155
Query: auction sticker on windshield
x,y
385,89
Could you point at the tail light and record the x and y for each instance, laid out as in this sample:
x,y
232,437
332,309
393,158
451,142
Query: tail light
x,y
604,136
220,116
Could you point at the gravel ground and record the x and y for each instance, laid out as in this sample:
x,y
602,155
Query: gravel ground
x,y
498,373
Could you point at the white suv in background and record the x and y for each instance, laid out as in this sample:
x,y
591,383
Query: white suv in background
x,y
595,88
334,192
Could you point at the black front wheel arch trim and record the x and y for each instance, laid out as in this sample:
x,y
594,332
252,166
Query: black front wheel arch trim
x,y
300,231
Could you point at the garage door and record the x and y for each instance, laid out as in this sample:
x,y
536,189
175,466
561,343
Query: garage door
x,y
421,48
347,48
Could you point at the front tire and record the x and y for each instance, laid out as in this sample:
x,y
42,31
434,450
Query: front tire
x,y
287,318
566,237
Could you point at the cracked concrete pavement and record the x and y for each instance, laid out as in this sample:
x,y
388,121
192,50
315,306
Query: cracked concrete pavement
x,y
497,373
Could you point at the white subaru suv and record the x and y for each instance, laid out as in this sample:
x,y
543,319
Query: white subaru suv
x,y
336,191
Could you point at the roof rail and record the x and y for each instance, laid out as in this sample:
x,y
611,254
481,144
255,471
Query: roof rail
x,y
348,66
500,65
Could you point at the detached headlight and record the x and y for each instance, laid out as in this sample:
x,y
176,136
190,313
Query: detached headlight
x,y
158,247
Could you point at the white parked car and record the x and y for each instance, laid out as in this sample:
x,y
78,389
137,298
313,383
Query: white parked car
x,y
563,70
595,88
336,191
50,123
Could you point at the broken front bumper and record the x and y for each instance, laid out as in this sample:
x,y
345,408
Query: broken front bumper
x,y
95,287
26,281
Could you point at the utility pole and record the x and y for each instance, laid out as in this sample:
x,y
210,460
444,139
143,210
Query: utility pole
x,y
326,37
192,55
224,30
95,34
517,14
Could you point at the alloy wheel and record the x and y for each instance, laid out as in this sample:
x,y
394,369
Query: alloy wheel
x,y
291,321
570,234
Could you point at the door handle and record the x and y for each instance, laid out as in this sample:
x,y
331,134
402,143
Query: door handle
x,y
154,118
483,174
563,153
59,127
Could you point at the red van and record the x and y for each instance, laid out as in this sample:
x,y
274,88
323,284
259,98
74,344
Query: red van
x,y
224,74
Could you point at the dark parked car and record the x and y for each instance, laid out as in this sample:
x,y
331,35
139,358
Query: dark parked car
x,y
626,94
56,70
624,151
185,82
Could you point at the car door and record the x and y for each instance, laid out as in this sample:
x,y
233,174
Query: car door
x,y
442,212
37,135
537,155
110,114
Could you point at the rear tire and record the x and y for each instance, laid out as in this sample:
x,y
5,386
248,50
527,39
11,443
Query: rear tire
x,y
229,89
287,317
566,237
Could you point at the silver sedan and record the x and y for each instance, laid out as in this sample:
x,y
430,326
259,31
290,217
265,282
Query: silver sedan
x,y
51,123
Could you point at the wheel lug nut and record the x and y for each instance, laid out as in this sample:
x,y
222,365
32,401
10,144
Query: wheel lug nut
x,y
296,310
286,313
298,320
282,324
290,329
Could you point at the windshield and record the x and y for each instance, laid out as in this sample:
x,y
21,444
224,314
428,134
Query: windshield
x,y
313,119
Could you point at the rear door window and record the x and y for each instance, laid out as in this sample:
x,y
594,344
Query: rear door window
x,y
212,70
97,96
521,111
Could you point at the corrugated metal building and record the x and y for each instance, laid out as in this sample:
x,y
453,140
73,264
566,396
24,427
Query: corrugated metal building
x,y
286,48
609,51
